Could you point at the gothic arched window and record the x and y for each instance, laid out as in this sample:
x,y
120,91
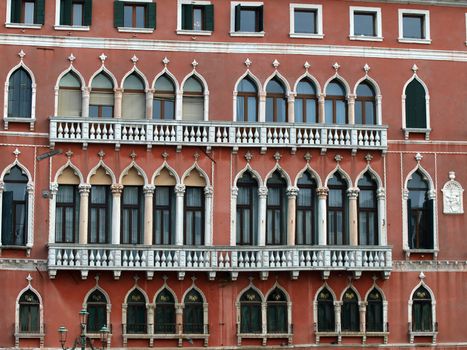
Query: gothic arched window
x,y
193,313
136,317
374,312
306,102
422,314
250,312
367,211
20,94
247,101
306,216
350,316
326,316
97,311
165,313
277,312
29,312
247,210
276,101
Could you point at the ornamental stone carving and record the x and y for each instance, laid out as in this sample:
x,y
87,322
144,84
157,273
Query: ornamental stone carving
x,y
452,196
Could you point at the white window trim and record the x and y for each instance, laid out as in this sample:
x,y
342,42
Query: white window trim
x,y
379,26
107,309
319,21
24,335
135,30
466,28
8,23
433,333
181,31
74,28
232,18
427,39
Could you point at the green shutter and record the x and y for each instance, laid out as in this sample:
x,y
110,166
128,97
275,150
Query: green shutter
x,y
415,105
238,10
7,218
151,16
15,11
260,19
187,17
87,12
209,17
118,14
40,11
409,224
65,12
428,239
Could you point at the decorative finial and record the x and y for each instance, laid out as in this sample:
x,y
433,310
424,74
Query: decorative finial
x,y
277,156
29,278
97,280
374,278
101,154
307,157
452,175
414,69
251,279
366,68
69,154
165,155
102,57
275,63
16,152
71,58
193,279
165,278
368,158
165,61
336,67
418,157
421,276
133,155
21,54
307,66
248,156
194,64
196,156
134,59
338,158
136,278
248,62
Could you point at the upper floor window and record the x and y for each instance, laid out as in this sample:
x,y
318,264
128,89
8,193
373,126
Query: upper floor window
x,y
29,312
365,105
415,105
197,16
335,103
99,214
193,100
276,101
337,211
67,214
250,312
70,96
165,313
101,103
374,312
306,102
77,13
367,211
19,94
247,101
164,215
306,207
306,20
350,314
276,304
422,313
28,12
134,98
194,216
134,15
97,311
326,316
414,26
247,17
14,208
365,23
164,99
132,215
247,210
193,313
136,318
276,210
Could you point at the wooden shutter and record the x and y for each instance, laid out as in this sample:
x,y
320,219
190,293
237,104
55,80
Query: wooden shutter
x,y
15,11
87,12
7,218
260,19
40,11
209,17
429,232
65,12
118,14
238,10
409,224
151,16
187,17
415,105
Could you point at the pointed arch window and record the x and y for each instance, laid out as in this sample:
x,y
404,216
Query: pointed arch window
x,y
415,105
247,101
367,211
101,102
335,103
134,98
97,311
326,316
132,215
164,215
29,312
193,313
306,102
20,94
164,99
14,208
306,216
67,214
70,96
337,211
247,210
374,312
100,206
277,312
420,209
250,312
193,100
422,313
276,101
365,104
165,313
136,321
350,316
276,210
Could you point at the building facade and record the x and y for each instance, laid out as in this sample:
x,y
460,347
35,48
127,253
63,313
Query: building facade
x,y
234,174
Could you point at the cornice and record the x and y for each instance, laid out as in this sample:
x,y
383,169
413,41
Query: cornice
x,y
455,3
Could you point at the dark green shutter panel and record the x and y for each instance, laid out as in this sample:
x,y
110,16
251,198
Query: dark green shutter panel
x,y
409,223
87,12
40,11
151,16
260,19
15,11
238,10
428,239
187,17
209,17
7,218
65,12
415,105
118,14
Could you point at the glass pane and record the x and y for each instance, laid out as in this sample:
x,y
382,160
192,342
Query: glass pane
x,y
305,21
340,112
248,20
252,109
413,26
335,198
299,110
274,196
130,195
193,196
366,199
98,194
133,82
358,112
246,85
29,9
128,16
311,111
275,86
107,111
269,109
369,113
156,109
70,80
77,19
102,81
328,111
364,89
305,197
197,19
140,16
192,85
164,84
281,110
240,108
364,23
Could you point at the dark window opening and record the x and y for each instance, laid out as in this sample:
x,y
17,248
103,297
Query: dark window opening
x,y
326,316
305,21
67,214
415,105
29,313
19,94
364,23
250,312
136,322
350,315
413,26
422,317
337,211
193,313
100,206
367,211
276,211
165,313
277,321
132,215
247,210
374,312
248,18
164,215
194,216
306,216
97,312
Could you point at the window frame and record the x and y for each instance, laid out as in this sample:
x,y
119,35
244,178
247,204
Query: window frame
x,y
366,211
168,309
434,324
350,312
75,205
333,99
107,206
95,305
171,207
343,209
365,99
377,315
319,20
304,98
280,208
313,209
164,96
145,3
195,3
138,307
327,305
39,334
276,97
377,24
246,95
426,26
194,209
247,4
140,216
194,307
250,306
10,24
273,306
70,27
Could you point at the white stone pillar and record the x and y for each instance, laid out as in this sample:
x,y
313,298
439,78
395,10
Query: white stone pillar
x,y
291,108
292,193
148,210
30,220
86,94
321,109
362,310
116,205
322,193
337,315
180,193
233,216
118,97
52,209
351,108
84,190
262,107
263,195
379,110
352,194
208,194
382,229
149,103
179,105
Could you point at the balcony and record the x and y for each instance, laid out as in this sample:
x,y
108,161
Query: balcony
x,y
217,134
213,259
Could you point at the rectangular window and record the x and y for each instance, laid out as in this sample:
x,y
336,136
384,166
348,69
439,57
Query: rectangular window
x,y
164,215
365,24
197,16
29,10
306,21
194,216
132,215
77,13
67,214
414,26
135,15
99,214
247,18
74,13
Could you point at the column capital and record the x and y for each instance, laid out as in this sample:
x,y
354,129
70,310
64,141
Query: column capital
x,y
30,187
405,194
321,97
118,91
234,192
381,193
180,189
351,98
292,191
149,189
208,191
53,188
86,91
116,188
2,186
431,194
322,192
352,193
84,188
262,191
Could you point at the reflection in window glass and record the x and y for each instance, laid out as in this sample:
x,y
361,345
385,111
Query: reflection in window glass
x,y
413,26
77,14
305,21
364,23
29,9
248,20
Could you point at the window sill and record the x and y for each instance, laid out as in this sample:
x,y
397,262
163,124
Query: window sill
x,y
248,34
306,36
433,252
7,120
194,32
74,28
414,41
135,30
365,38
23,26
408,131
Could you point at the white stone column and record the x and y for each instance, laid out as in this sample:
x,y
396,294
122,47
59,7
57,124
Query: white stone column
x,y
116,205
148,210
291,108
351,108
84,190
52,209
362,310
379,110
337,315
352,194
263,195
321,109
292,193
262,107
208,194
382,229
322,193
180,193
233,216
149,103
86,94
179,105
2,188
30,220
118,97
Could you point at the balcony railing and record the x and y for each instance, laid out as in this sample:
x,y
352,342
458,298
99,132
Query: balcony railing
x,y
213,259
210,134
